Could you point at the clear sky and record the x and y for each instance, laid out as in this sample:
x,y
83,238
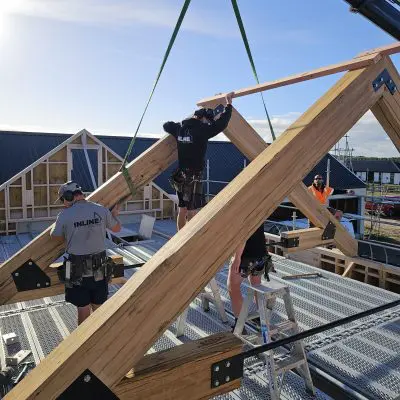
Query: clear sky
x,y
72,64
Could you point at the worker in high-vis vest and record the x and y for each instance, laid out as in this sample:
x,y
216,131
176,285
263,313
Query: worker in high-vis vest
x,y
320,191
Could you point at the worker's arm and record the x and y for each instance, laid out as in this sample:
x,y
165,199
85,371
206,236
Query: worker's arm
x,y
57,231
113,223
222,122
329,190
172,128
237,259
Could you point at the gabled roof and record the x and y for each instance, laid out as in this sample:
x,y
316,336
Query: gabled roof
x,y
18,150
364,165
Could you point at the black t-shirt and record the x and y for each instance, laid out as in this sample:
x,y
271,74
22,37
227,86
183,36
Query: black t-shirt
x,y
255,246
192,136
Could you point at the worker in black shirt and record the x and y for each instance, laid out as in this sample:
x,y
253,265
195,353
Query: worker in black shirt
x,y
192,135
251,261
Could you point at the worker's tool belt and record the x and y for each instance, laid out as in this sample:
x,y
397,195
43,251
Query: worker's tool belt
x,y
188,182
256,266
97,265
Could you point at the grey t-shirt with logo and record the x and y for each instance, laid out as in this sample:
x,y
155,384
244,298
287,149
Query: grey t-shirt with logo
x,y
83,226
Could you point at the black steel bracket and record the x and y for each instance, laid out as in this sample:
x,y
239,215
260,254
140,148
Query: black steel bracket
x,y
384,78
30,276
118,271
225,371
329,231
290,242
87,386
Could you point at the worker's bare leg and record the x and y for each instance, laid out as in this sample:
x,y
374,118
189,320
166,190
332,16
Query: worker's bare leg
x,y
234,282
83,313
181,220
95,306
191,214
255,281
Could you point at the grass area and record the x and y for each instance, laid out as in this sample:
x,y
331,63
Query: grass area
x,y
387,233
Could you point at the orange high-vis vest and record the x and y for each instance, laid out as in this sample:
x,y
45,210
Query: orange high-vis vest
x,y
322,197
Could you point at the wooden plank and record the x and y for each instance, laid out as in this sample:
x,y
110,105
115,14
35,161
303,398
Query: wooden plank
x,y
349,268
354,64
182,372
116,336
308,238
387,50
250,143
44,250
387,109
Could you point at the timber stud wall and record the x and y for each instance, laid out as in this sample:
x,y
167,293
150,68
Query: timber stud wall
x,y
31,195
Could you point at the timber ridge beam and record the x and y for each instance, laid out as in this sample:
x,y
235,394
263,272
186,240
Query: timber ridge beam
x,y
116,336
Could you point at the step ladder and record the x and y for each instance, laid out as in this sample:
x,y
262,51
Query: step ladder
x,y
210,294
295,359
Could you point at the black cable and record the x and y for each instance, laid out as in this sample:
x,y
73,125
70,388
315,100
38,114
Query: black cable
x,y
314,331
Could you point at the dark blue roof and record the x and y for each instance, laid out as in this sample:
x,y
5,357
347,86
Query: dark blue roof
x,y
364,165
20,149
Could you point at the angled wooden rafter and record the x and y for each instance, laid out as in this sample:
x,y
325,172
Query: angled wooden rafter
x,y
116,336
387,108
250,143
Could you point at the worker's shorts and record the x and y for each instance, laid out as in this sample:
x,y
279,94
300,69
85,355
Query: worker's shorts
x,y
89,292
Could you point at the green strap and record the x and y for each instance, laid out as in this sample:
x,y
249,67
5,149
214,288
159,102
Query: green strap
x,y
171,42
246,45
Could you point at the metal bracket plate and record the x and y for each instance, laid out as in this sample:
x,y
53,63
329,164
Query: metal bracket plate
x,y
118,271
30,276
290,242
226,371
384,78
87,386
329,231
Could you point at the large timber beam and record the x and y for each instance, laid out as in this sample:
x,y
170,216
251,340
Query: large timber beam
x,y
360,61
43,250
387,109
117,335
183,372
250,143
302,239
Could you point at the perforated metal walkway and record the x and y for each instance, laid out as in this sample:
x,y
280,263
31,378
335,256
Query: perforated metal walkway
x,y
361,357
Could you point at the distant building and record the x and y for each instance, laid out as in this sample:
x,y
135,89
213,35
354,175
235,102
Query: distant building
x,y
35,164
377,171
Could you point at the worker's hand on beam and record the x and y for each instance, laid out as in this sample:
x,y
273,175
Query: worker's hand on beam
x,y
228,98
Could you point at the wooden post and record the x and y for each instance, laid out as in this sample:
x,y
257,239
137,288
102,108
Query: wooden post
x,y
116,336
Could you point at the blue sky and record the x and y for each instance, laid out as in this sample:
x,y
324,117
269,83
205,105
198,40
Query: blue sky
x,y
72,64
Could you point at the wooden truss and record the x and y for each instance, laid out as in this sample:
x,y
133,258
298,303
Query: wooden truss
x,y
115,338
